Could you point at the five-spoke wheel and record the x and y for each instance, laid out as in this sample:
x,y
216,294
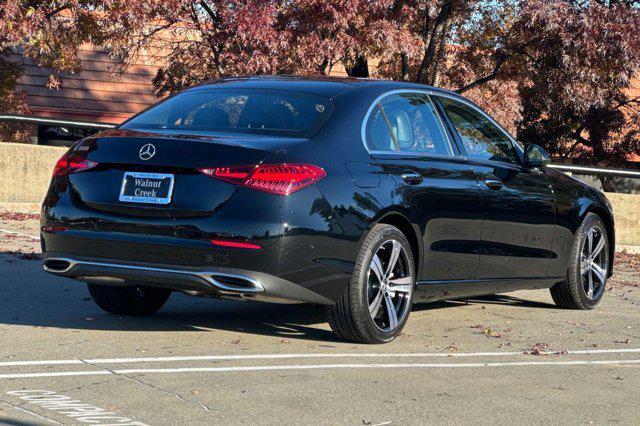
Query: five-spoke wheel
x,y
375,306
594,262
389,283
588,268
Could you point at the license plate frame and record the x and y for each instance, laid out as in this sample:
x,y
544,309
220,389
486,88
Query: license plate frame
x,y
132,198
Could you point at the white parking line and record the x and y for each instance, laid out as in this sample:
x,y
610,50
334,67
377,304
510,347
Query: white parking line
x,y
316,367
78,361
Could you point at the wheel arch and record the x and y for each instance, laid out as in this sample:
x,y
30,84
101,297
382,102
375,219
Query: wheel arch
x,y
410,231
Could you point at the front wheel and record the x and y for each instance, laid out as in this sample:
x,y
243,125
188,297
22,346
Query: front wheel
x,y
586,278
138,300
375,306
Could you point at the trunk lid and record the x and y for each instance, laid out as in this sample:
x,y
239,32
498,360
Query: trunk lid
x,y
142,153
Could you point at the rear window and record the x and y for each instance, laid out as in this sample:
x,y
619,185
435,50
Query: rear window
x,y
269,112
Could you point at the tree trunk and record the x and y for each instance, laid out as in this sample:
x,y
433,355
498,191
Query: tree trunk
x,y
608,183
434,72
404,66
432,38
359,68
322,68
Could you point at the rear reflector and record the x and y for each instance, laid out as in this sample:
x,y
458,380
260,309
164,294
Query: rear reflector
x,y
281,179
235,244
51,229
72,163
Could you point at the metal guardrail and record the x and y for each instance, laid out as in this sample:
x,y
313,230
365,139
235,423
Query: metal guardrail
x,y
79,124
27,119
596,171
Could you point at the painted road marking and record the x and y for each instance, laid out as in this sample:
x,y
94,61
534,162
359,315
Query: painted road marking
x,y
316,367
74,409
78,361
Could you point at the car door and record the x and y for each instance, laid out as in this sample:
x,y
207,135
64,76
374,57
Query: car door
x,y
518,202
434,184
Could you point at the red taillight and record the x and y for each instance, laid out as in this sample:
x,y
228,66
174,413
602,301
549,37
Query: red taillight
x,y
281,179
235,244
71,164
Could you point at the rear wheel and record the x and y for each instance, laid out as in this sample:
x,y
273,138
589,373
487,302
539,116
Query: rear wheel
x,y
138,300
589,264
375,306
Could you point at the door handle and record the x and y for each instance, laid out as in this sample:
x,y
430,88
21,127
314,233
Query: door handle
x,y
493,183
412,178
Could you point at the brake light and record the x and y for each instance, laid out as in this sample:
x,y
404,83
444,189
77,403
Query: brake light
x,y
72,163
281,179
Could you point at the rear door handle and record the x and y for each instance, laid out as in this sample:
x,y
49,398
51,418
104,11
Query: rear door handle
x,y
412,178
493,183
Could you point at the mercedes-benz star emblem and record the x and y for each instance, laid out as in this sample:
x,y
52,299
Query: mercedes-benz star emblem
x,y
147,152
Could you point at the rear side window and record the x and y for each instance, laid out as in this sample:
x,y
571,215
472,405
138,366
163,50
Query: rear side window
x,y
482,139
269,112
406,122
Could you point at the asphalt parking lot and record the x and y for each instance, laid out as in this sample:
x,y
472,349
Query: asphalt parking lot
x,y
505,359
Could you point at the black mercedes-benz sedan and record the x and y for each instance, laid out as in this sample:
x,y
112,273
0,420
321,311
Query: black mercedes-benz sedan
x,y
362,195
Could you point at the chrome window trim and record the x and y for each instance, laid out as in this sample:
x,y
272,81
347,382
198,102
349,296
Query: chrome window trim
x,y
376,102
415,154
432,93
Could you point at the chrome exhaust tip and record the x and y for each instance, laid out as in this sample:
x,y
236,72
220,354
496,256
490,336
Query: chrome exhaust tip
x,y
57,266
235,283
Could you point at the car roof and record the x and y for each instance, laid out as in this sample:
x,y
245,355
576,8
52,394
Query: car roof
x,y
325,86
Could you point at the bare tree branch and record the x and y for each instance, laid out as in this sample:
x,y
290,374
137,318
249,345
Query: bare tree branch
x,y
57,10
487,78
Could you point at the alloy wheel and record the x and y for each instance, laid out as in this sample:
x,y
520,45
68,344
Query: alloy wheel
x,y
594,262
390,286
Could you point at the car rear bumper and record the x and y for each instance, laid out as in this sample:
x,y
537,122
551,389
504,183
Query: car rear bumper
x,y
302,257
217,281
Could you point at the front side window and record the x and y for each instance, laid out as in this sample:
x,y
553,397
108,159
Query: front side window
x,y
406,122
482,139
268,112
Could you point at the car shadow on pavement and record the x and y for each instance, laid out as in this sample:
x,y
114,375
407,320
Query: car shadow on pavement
x,y
30,297
496,299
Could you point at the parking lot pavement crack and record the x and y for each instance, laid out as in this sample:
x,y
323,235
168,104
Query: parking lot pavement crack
x,y
78,388
29,412
158,388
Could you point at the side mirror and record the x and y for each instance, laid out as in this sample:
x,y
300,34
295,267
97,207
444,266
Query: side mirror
x,y
534,156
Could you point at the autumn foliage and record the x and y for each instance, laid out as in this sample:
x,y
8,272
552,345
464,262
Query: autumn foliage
x,y
556,73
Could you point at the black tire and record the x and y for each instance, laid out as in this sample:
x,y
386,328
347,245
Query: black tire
x,y
350,318
129,300
571,293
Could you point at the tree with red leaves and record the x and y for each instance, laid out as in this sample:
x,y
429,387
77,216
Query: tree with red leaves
x,y
555,72
48,32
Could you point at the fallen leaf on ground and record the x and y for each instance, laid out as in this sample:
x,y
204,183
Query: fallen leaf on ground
x,y
453,347
490,333
19,216
538,349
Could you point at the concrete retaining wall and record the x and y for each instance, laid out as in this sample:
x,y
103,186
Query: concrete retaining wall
x,y
626,212
25,171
